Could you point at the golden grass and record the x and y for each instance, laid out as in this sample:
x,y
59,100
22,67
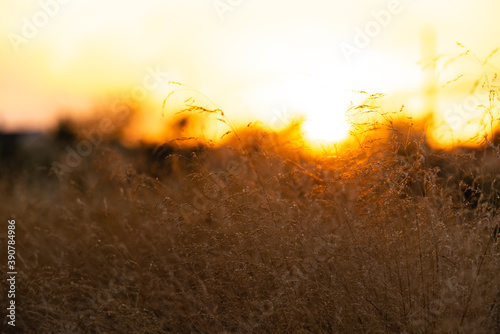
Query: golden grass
x,y
386,240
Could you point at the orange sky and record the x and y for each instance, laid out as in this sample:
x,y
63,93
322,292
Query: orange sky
x,y
258,60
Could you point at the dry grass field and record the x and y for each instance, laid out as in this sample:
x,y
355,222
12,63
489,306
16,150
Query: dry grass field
x,y
231,166
253,237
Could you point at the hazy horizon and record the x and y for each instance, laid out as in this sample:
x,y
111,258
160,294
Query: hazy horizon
x,y
256,60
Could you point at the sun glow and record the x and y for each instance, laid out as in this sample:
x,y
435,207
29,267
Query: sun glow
x,y
324,103
70,57
329,127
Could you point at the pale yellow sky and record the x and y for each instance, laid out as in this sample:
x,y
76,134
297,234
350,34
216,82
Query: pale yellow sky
x,y
255,58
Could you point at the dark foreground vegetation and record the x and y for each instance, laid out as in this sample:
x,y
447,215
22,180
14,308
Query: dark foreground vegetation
x,y
252,237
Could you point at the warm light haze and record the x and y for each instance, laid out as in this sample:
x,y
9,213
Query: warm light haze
x,y
250,166
256,60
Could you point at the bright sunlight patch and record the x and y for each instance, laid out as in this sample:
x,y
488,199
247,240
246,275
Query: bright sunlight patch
x,y
330,128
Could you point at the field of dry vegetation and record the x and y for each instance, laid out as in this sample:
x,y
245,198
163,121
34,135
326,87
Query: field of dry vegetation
x,y
254,237
259,235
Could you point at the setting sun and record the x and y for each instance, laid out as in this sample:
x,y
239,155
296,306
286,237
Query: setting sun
x,y
328,128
